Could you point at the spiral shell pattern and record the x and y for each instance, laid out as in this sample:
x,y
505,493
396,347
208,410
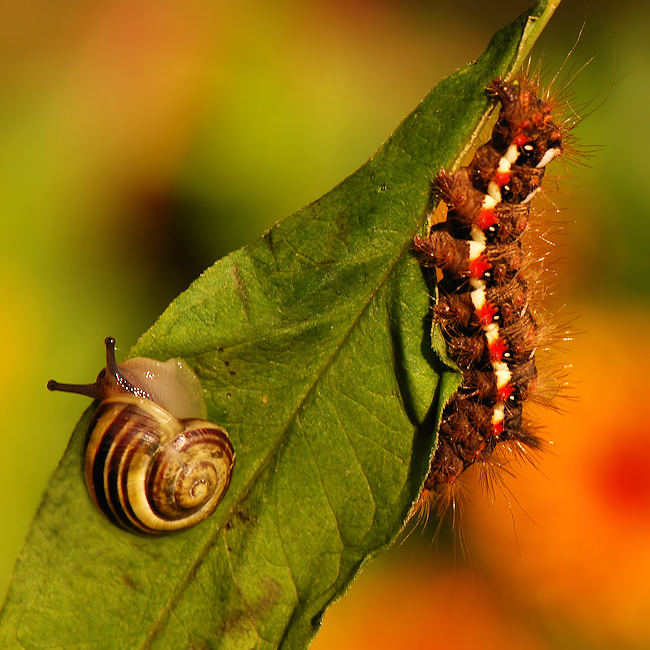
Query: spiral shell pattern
x,y
151,473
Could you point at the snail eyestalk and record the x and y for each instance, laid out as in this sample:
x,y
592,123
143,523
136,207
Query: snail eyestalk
x,y
89,390
111,363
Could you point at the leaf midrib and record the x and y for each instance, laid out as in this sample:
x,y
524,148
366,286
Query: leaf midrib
x,y
177,593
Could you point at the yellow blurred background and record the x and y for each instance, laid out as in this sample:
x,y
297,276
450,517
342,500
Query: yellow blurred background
x,y
144,139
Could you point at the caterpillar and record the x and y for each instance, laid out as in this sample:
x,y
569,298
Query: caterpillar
x,y
483,306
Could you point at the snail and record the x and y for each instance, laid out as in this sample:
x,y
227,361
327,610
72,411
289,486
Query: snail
x,y
152,465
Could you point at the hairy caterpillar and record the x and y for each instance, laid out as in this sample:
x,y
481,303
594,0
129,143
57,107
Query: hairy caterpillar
x,y
484,298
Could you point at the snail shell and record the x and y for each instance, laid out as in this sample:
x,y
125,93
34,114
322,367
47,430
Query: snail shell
x,y
152,465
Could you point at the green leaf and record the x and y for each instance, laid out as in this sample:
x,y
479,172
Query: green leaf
x,y
313,346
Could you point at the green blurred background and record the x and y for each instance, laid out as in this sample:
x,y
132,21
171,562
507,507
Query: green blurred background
x,y
141,140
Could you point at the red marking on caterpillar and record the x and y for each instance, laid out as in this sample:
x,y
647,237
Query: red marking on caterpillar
x,y
487,218
486,313
484,298
497,349
479,267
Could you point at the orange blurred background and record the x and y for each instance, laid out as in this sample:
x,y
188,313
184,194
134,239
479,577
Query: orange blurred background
x,y
142,140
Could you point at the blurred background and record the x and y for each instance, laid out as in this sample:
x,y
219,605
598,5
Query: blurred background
x,y
141,140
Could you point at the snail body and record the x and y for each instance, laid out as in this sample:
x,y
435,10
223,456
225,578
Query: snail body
x,y
152,463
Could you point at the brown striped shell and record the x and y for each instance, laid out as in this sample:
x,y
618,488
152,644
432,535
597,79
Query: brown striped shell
x,y
147,470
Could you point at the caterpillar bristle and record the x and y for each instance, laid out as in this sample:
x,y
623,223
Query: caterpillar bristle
x,y
439,502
